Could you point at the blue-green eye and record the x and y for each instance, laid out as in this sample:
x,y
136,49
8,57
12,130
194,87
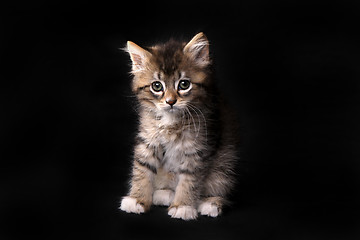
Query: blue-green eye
x,y
157,86
184,84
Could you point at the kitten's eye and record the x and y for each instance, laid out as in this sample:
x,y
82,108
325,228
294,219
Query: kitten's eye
x,y
184,84
157,86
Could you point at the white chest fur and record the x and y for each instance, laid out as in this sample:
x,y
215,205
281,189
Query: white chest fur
x,y
175,144
171,138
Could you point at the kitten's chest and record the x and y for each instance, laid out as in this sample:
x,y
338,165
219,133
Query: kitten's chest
x,y
171,143
165,130
173,150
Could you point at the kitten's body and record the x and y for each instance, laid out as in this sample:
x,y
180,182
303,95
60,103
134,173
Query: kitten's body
x,y
185,148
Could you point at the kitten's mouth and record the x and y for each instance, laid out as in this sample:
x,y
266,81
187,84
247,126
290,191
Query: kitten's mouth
x,y
172,109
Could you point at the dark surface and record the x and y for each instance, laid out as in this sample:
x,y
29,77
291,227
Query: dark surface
x,y
291,70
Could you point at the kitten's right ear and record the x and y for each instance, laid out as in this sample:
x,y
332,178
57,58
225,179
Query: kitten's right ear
x,y
138,55
198,49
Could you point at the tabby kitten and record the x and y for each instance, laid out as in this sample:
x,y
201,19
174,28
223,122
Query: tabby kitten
x,y
185,149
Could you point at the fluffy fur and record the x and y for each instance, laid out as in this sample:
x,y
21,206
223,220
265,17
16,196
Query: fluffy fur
x,y
185,149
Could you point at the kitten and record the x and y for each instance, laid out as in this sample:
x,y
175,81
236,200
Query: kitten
x,y
185,150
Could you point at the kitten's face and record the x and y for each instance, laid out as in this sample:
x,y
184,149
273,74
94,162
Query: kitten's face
x,y
169,78
171,93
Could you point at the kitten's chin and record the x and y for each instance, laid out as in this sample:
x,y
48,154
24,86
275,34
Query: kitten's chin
x,y
170,116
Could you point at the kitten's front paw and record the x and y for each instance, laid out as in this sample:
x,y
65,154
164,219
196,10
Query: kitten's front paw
x,y
209,209
183,212
130,205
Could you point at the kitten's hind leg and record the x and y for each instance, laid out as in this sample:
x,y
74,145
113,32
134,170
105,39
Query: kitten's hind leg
x,y
164,183
163,197
211,206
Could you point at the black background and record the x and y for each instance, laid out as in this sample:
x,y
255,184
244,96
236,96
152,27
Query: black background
x,y
290,69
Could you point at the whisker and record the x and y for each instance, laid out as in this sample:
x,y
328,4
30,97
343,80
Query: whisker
x,y
191,118
203,116
182,118
199,120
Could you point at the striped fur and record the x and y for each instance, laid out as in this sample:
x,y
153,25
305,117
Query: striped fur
x,y
185,151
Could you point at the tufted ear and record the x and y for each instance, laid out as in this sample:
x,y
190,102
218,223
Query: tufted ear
x,y
138,55
198,49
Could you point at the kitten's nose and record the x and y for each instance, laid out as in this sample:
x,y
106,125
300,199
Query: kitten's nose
x,y
171,102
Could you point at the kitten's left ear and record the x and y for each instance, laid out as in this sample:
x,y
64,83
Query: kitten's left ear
x,y
138,55
198,49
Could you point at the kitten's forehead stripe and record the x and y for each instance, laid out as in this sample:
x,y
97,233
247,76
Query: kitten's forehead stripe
x,y
168,57
181,75
156,75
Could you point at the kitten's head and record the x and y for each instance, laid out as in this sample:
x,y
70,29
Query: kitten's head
x,y
171,76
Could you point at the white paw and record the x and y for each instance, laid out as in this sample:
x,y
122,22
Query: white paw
x,y
183,212
208,209
130,205
163,197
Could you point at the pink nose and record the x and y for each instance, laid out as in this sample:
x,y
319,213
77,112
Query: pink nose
x,y
171,101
